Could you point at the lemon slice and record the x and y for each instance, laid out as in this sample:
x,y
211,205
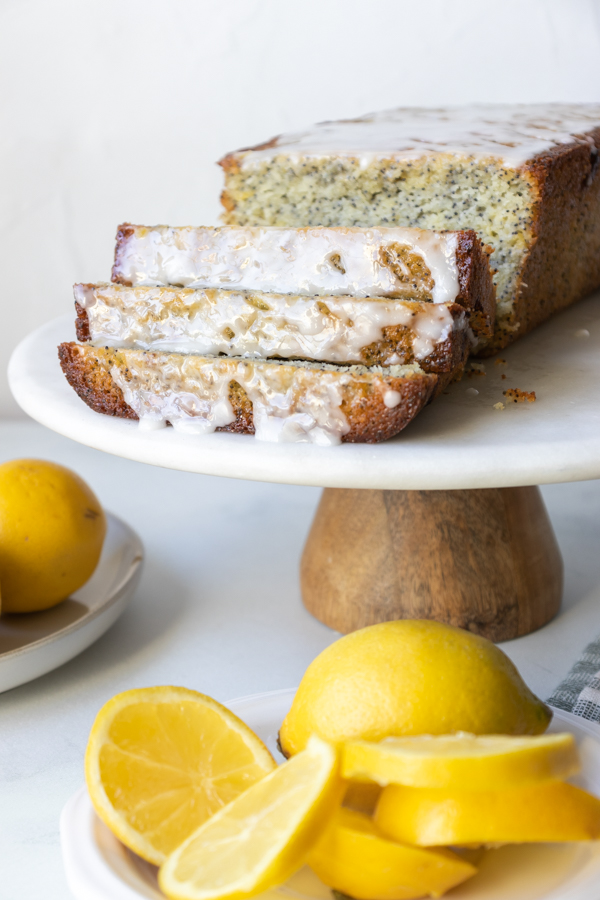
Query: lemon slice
x,y
462,761
429,817
161,760
263,836
354,857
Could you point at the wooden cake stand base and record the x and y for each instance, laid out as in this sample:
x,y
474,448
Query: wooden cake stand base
x,y
486,560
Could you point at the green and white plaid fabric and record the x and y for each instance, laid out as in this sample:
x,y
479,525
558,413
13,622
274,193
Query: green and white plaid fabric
x,y
579,692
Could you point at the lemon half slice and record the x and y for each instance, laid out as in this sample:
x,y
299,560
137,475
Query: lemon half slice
x,y
161,760
462,761
430,817
263,836
354,857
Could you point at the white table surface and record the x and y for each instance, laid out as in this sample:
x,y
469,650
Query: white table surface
x,y
218,610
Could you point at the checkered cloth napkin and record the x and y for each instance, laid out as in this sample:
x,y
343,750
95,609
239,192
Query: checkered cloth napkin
x,y
579,692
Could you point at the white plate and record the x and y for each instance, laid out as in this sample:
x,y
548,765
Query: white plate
x,y
35,643
99,867
460,441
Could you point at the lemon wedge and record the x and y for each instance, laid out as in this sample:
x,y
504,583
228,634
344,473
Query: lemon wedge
x,y
161,760
354,857
462,761
429,817
263,836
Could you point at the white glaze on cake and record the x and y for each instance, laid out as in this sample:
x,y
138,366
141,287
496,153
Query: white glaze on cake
x,y
286,260
511,133
236,323
289,403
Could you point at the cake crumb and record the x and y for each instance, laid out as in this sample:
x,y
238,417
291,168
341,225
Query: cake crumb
x,y
472,392
498,405
499,362
503,377
475,369
517,396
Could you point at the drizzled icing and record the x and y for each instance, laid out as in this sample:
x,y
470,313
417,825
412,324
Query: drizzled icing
x,y
235,323
304,261
289,403
85,295
512,133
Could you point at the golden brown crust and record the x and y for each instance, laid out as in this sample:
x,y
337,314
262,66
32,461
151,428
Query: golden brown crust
x,y
91,380
477,292
226,201
87,370
230,162
371,421
82,323
124,232
563,263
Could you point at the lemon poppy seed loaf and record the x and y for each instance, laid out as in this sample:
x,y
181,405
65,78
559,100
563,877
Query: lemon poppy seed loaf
x,y
525,177
321,335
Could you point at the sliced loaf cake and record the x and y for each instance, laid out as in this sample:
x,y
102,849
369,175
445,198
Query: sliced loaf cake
x,y
404,263
276,401
323,335
254,324
525,177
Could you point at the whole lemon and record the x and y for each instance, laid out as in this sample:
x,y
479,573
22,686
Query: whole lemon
x,y
410,677
52,529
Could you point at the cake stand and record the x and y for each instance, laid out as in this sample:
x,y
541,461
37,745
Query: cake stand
x,y
444,521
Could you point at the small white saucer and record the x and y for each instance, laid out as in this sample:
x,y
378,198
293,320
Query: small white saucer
x,y
35,643
99,867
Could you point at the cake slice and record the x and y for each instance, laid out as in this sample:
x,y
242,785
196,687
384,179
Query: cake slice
x,y
335,329
526,178
277,401
403,263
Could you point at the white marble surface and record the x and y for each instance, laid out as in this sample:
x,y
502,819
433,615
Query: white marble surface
x,y
460,441
218,610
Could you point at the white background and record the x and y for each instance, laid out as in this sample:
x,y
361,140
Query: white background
x,y
115,110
